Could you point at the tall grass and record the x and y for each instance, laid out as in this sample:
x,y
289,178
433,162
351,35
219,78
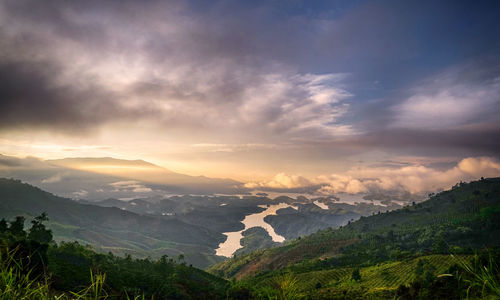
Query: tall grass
x,y
18,283
483,277
96,289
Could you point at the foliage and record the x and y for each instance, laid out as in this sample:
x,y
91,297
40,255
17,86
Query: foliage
x,y
460,220
17,282
468,278
108,228
40,268
356,276
403,253
397,255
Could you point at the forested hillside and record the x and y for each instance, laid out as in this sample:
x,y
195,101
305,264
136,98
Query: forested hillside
x,y
462,221
110,228
33,266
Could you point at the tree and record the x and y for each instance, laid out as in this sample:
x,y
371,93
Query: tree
x,y
16,227
356,276
38,232
390,235
419,270
439,245
3,226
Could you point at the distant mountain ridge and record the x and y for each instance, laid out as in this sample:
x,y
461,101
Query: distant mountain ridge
x,y
107,177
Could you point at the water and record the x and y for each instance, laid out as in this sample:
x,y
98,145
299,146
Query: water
x,y
320,204
233,241
354,199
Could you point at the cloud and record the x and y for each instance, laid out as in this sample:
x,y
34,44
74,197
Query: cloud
x,y
53,179
485,167
447,107
328,81
210,147
414,179
461,95
84,67
341,184
80,194
281,181
30,99
8,162
130,186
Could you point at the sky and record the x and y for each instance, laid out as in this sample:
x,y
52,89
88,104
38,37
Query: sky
x,y
275,94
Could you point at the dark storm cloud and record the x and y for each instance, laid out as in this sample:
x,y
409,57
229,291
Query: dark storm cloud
x,y
30,99
477,140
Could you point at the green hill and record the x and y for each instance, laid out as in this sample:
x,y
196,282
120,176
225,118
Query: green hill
x,y
460,220
110,228
377,281
33,266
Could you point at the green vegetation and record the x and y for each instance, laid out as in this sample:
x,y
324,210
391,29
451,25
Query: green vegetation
x,y
356,276
32,266
403,253
110,228
443,248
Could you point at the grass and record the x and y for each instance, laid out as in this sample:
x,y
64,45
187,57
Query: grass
x,y
18,283
96,289
483,277
15,283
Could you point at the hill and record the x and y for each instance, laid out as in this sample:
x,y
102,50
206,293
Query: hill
x,y
380,281
110,228
33,266
459,220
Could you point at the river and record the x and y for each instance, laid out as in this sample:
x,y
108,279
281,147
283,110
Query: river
x,y
232,243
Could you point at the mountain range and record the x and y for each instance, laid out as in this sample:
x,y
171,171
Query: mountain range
x,y
105,177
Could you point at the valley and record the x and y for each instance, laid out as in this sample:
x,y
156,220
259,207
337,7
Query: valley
x,y
385,248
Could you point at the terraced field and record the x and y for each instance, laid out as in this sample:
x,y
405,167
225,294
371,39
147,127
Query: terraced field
x,y
309,281
387,275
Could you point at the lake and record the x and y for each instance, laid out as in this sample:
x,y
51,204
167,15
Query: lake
x,y
232,243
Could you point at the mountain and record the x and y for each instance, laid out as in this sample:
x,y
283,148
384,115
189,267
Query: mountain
x,y
461,220
147,172
101,178
111,228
